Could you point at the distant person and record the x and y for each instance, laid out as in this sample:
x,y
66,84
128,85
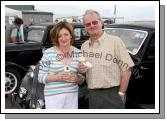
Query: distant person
x,y
13,33
25,30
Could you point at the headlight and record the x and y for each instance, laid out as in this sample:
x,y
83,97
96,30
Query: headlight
x,y
22,92
31,74
32,67
40,104
31,71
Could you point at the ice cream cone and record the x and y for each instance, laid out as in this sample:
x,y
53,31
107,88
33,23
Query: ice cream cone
x,y
82,60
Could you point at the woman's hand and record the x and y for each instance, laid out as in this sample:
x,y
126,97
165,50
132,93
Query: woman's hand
x,y
63,77
74,78
68,77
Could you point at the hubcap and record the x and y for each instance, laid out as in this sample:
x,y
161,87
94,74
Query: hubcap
x,y
10,82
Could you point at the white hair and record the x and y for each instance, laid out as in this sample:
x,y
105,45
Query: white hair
x,y
91,12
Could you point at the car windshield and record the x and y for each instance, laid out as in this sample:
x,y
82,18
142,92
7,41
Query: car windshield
x,y
80,32
133,39
35,35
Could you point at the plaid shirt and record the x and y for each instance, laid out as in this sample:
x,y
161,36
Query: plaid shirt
x,y
109,58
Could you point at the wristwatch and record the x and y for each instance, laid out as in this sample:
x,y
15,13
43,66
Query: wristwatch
x,y
121,93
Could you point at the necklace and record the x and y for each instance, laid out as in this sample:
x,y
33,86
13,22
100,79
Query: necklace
x,y
66,66
65,59
67,69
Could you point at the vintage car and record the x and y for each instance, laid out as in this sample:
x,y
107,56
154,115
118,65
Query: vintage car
x,y
138,37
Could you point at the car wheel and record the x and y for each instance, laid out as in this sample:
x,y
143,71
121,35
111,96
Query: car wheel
x,y
12,80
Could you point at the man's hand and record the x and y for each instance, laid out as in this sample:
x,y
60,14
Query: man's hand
x,y
123,96
82,68
125,80
14,39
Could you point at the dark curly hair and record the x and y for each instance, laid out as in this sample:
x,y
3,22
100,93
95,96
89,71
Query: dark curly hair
x,y
18,21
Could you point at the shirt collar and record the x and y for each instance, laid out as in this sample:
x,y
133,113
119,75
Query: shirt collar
x,y
98,41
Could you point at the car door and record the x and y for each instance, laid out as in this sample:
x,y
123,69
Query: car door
x,y
35,37
141,89
148,72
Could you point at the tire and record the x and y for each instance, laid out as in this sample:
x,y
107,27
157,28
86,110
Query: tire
x,y
12,80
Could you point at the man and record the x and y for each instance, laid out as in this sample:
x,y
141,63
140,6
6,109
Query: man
x,y
109,77
12,33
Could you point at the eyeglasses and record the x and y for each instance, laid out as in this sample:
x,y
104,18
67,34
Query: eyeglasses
x,y
89,24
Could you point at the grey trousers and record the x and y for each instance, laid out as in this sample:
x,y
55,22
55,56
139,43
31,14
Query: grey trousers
x,y
105,99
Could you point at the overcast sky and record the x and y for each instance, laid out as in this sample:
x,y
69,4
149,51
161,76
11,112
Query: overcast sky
x,y
129,12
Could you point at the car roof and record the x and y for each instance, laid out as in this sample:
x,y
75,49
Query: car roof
x,y
130,24
46,24
136,24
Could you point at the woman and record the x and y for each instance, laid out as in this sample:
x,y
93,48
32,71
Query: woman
x,y
59,69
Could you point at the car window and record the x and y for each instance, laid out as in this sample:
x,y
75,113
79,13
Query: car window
x,y
84,32
133,39
79,33
35,35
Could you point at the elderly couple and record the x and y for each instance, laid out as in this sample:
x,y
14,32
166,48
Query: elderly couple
x,y
107,81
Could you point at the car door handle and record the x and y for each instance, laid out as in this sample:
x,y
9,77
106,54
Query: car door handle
x,y
143,68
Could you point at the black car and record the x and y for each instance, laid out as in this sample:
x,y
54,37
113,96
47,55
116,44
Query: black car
x,y
138,37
